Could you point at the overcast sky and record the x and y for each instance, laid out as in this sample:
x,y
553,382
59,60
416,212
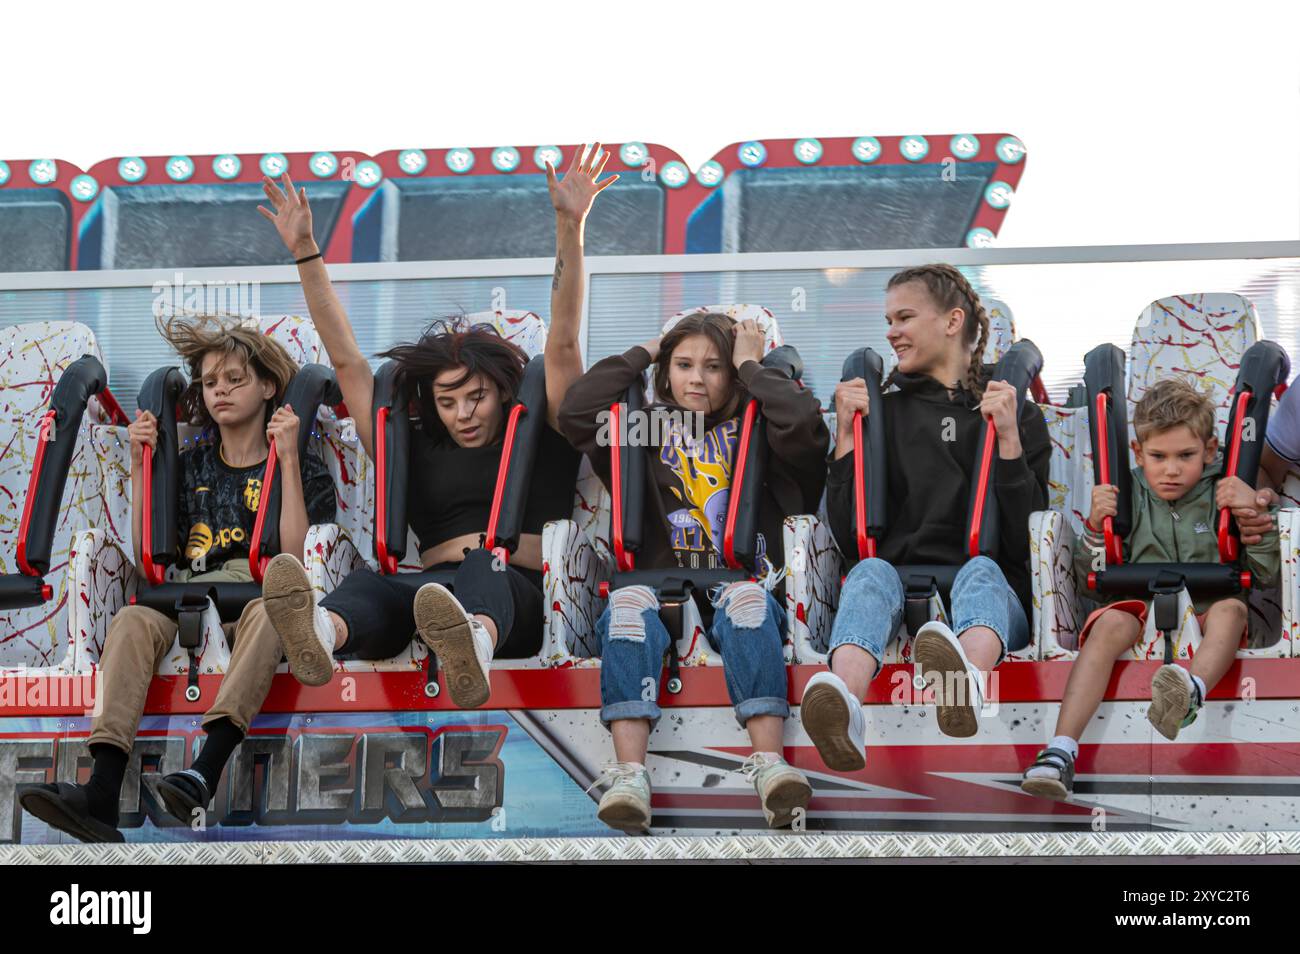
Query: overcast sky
x,y
1145,122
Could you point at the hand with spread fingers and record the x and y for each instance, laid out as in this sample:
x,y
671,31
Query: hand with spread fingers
x,y
573,195
292,215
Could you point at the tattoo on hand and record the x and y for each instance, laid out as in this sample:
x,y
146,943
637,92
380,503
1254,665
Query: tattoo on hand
x,y
559,268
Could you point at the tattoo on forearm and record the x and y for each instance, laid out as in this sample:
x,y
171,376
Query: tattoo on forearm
x,y
559,268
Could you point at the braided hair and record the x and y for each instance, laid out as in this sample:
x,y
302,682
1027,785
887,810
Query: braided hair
x,y
949,289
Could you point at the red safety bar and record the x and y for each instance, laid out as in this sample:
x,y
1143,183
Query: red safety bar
x,y
1229,544
982,488
498,495
622,560
1039,391
152,571
38,460
256,562
115,412
866,545
738,481
387,561
1113,545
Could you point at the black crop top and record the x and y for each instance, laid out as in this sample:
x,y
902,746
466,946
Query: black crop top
x,y
451,487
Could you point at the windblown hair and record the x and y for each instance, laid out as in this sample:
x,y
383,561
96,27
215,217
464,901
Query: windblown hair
x,y
717,328
194,338
949,289
1173,403
454,343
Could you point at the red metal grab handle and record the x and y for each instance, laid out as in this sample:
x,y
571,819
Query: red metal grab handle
x,y
387,561
866,545
1229,545
981,490
498,495
256,562
737,481
1114,546
152,571
622,559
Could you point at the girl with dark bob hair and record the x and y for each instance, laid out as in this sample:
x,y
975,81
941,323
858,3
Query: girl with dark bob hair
x,y
463,381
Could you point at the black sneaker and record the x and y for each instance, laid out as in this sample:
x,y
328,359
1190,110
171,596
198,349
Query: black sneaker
x,y
66,807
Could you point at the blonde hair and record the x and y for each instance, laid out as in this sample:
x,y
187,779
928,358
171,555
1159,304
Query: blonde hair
x,y
194,338
1173,403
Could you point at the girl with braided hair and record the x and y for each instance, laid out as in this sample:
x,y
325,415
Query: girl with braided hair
x,y
938,329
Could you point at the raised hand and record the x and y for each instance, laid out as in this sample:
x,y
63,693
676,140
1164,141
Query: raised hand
x,y
143,432
748,345
292,215
573,195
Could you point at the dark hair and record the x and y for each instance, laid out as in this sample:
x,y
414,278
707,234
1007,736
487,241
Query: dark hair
x,y
715,327
949,289
194,338
451,343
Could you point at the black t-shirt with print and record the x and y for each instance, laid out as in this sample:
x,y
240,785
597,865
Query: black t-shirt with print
x,y
218,503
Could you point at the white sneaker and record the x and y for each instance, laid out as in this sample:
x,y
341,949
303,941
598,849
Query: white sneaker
x,y
461,643
305,629
835,722
626,803
958,686
782,789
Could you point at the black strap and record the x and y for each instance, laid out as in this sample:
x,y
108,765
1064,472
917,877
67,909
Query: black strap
x,y
1165,589
190,607
1054,758
673,594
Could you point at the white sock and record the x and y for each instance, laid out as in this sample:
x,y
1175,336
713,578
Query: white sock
x,y
772,756
483,647
1200,684
1065,744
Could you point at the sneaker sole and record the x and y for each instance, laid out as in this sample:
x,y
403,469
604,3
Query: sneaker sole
x,y
178,802
825,717
937,655
443,628
625,814
790,793
1170,697
288,598
1051,788
50,809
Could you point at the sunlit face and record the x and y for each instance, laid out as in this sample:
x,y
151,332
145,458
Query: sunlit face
x,y
698,376
920,334
1172,461
472,411
232,391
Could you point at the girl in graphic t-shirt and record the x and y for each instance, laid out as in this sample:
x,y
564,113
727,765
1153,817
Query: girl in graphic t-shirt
x,y
463,381
705,365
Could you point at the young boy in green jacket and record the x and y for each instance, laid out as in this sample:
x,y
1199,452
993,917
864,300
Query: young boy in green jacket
x,y
1178,487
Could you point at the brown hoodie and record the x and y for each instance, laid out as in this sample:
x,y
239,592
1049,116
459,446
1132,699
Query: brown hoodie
x,y
684,520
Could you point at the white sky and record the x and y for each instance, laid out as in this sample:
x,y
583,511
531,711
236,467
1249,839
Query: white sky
x,y
1145,122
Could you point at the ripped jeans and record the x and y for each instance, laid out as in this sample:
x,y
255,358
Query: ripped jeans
x,y
746,630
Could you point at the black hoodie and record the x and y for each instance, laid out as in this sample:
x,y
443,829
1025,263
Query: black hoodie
x,y
932,444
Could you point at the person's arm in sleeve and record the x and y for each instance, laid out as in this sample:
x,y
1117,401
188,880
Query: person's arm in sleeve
x,y
1021,480
796,433
584,415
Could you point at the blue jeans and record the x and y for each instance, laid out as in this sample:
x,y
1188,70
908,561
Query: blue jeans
x,y
871,606
746,630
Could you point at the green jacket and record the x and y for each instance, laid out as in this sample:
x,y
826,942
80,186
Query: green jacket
x,y
1184,531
